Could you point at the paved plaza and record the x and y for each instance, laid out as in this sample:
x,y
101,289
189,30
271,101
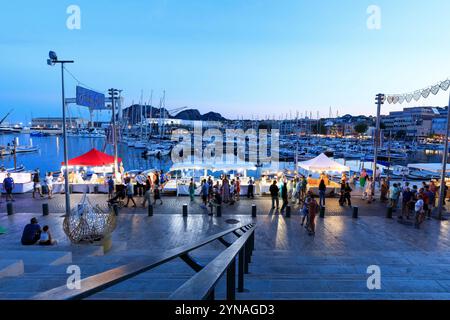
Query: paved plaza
x,y
287,262
173,205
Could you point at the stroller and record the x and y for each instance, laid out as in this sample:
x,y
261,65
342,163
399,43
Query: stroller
x,y
215,201
118,199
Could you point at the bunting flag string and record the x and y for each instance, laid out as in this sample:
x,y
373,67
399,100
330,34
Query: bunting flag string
x,y
417,95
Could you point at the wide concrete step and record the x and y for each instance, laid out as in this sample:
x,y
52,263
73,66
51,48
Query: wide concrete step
x,y
342,296
38,257
358,271
346,286
11,268
327,260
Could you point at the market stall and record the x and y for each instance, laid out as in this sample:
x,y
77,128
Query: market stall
x,y
317,168
22,181
180,182
95,164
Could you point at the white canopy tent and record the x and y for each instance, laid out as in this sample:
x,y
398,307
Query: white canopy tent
x,y
323,164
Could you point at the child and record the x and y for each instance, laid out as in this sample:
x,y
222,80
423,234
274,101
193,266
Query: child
x,y
305,211
46,237
419,211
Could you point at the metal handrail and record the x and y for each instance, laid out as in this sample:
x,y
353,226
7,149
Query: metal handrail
x,y
99,282
202,285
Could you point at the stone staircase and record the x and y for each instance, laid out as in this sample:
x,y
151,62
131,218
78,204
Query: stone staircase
x,y
27,272
273,274
289,275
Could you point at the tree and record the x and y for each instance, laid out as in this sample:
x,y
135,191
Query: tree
x,y
361,128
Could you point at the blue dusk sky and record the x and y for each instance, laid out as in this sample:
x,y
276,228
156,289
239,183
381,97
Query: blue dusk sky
x,y
237,57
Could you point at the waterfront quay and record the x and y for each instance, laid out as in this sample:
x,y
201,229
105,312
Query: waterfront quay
x,y
287,263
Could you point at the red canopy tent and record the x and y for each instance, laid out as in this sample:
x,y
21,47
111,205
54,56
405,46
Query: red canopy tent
x,y
93,158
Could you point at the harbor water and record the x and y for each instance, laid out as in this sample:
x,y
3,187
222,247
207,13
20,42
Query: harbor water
x,y
51,154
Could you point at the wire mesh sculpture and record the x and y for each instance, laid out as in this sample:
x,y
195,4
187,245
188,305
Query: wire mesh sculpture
x,y
88,223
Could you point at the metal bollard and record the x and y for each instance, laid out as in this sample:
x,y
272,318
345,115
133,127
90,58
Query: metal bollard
x,y
150,210
45,211
254,211
389,213
322,212
185,210
219,210
116,210
9,209
355,212
288,211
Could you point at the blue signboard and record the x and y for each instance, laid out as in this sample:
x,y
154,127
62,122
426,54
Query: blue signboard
x,y
91,99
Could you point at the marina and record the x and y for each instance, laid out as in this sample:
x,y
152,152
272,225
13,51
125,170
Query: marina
x,y
215,159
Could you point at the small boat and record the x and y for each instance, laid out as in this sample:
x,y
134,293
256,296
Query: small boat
x,y
422,175
139,145
20,168
26,149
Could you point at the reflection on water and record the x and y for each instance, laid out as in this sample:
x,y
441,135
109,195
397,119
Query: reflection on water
x,y
51,153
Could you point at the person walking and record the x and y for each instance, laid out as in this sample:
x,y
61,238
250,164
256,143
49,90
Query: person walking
x,y
211,189
322,193
274,193
140,183
192,188
384,189
434,190
37,184
406,203
8,186
111,185
370,189
49,183
147,197
130,193
156,194
419,211
362,178
250,190
431,201
305,211
290,188
393,197
232,191
238,189
225,190
348,194
284,196
313,208
205,191
304,187
342,193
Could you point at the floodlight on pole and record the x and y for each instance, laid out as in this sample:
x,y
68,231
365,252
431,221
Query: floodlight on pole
x,y
53,59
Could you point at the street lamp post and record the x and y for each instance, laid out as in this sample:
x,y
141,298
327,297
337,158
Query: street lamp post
x,y
379,99
52,61
444,166
114,94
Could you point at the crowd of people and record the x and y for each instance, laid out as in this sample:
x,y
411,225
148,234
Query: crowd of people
x,y
414,202
144,186
223,190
